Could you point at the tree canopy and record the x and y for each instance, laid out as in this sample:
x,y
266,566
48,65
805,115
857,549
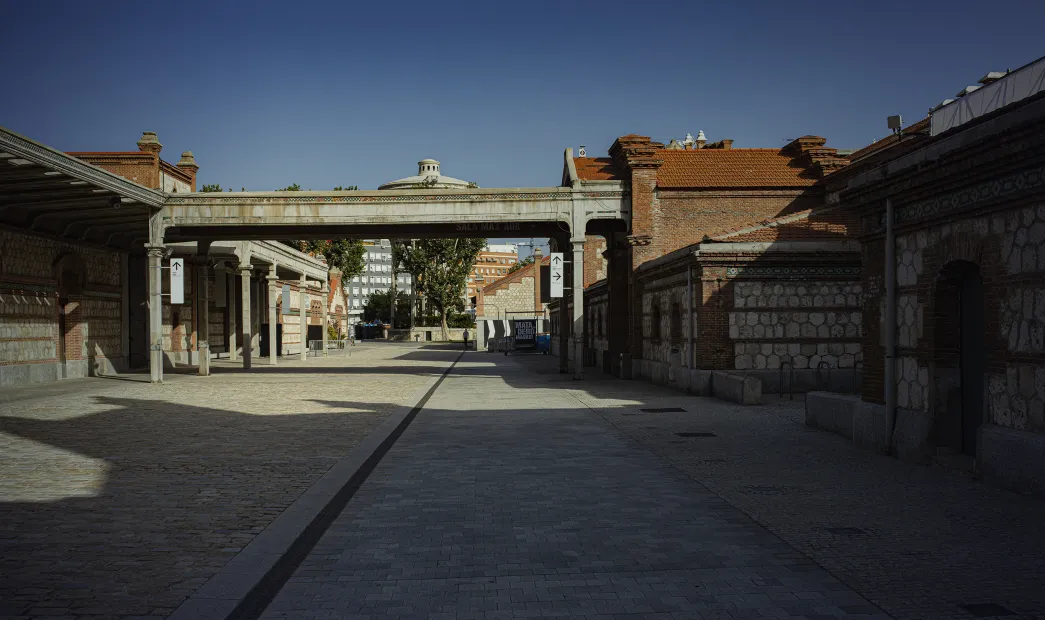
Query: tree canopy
x,y
440,268
343,254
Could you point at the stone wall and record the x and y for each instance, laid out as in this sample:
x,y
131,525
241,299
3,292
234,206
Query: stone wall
x,y
35,272
802,322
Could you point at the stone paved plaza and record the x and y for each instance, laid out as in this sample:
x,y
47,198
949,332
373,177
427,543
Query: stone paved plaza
x,y
119,498
515,492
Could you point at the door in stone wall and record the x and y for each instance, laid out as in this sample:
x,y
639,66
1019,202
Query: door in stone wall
x,y
138,315
973,362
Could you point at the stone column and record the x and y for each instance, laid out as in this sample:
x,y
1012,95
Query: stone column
x,y
304,318
230,307
245,328
203,317
155,312
578,308
326,311
273,294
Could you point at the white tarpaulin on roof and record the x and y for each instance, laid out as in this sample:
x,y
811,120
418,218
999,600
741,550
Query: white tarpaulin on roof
x,y
1019,84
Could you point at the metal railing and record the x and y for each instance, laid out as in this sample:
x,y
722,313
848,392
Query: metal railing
x,y
823,370
344,345
790,380
500,345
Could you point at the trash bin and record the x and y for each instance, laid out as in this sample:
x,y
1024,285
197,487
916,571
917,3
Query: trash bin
x,y
544,343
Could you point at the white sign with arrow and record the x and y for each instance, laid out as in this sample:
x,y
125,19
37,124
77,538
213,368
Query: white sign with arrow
x,y
177,280
555,273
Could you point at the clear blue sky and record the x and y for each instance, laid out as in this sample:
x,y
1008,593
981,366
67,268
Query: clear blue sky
x,y
354,93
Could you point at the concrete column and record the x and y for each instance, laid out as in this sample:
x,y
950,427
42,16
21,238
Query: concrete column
x,y
230,307
537,258
203,317
273,294
326,311
578,308
245,328
155,312
304,318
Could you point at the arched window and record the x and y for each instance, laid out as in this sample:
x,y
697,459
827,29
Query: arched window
x,y
676,324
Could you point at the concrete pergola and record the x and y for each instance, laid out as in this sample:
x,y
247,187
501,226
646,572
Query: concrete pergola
x,y
57,194
560,212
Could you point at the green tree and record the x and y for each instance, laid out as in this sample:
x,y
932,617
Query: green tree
x,y
377,306
519,265
440,267
347,188
344,254
212,187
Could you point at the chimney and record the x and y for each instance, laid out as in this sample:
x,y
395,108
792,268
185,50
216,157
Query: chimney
x,y
727,144
149,143
701,140
188,164
581,152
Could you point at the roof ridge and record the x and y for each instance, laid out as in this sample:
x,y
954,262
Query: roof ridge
x,y
776,221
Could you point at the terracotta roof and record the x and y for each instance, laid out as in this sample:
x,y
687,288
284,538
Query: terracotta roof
x,y
823,223
731,168
596,169
515,276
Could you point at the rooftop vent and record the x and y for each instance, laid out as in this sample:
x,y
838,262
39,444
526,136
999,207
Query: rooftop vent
x,y
993,76
968,89
581,152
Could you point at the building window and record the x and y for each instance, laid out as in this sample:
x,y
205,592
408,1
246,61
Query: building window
x,y
654,322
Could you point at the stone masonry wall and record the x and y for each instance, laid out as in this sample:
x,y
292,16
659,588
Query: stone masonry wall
x,y
803,322
1009,249
29,310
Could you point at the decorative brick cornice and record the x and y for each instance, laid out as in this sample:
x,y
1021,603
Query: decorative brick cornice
x,y
636,240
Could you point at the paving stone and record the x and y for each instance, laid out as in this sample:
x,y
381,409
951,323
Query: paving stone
x,y
516,487
131,496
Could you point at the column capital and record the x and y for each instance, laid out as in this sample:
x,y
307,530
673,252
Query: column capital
x,y
244,268
272,278
578,242
155,250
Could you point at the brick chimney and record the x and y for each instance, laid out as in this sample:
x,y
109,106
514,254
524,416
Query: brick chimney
x,y
149,143
188,164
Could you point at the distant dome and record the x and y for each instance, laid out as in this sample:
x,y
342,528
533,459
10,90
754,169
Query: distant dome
x,y
428,176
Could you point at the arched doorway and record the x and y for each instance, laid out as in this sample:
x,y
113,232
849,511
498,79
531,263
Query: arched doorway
x,y
960,357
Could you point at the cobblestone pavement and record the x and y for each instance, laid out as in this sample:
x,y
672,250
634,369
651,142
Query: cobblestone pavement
x,y
919,542
508,498
119,498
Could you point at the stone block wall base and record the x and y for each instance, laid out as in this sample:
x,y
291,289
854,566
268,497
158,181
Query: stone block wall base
x,y
1011,458
740,389
832,412
911,436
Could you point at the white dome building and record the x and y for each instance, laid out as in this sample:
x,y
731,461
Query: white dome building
x,y
428,176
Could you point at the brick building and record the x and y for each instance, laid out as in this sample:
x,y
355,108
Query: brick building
x,y
734,262
73,270
492,264
953,243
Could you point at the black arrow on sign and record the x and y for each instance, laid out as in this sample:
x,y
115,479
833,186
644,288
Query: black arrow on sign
x,y
176,267
556,260
558,276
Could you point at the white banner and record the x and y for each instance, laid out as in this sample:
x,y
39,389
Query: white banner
x,y
177,280
555,273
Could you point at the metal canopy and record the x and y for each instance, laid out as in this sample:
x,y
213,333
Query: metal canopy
x,y
45,191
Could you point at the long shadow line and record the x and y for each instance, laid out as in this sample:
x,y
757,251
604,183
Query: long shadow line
x,y
265,591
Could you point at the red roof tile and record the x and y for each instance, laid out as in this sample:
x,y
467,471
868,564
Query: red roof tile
x,y
596,169
731,168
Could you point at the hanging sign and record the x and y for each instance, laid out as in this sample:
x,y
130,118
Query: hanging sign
x,y
555,274
177,280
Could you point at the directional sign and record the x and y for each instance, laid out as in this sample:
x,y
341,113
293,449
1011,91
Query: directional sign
x,y
555,273
177,280
286,299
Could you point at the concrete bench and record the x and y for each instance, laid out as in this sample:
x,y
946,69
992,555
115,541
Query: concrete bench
x,y
740,389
